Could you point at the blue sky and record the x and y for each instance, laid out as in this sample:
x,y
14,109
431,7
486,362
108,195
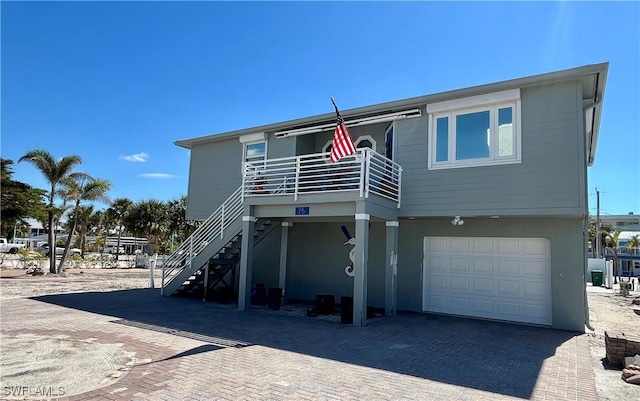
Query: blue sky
x,y
118,82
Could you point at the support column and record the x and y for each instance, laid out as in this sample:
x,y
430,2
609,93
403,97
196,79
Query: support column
x,y
246,263
284,260
360,270
391,269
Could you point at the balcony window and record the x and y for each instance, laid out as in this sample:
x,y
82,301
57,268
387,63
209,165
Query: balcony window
x,y
364,141
476,131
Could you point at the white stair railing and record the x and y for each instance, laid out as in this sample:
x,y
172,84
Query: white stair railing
x,y
211,229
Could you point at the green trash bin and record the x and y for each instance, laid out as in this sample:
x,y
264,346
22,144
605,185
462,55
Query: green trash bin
x,y
597,278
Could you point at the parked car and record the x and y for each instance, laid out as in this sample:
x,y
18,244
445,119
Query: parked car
x,y
114,249
59,250
9,247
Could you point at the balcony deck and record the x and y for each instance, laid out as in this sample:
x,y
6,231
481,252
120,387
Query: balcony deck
x,y
365,176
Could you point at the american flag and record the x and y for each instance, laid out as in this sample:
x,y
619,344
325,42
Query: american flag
x,y
342,142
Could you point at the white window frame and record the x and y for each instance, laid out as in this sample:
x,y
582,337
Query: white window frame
x,y
489,102
253,139
361,138
325,148
391,127
366,138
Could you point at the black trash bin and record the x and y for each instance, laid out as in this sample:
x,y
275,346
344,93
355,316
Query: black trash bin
x,y
324,304
259,295
274,298
346,310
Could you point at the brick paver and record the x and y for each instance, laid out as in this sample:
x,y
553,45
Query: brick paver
x,y
409,357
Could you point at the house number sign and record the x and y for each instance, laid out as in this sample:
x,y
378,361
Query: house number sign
x,y
302,211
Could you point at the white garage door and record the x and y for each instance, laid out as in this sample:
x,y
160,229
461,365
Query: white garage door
x,y
496,278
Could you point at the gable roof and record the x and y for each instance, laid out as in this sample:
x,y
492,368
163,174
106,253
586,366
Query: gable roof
x,y
592,77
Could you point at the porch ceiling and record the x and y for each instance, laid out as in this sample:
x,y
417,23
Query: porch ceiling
x,y
315,208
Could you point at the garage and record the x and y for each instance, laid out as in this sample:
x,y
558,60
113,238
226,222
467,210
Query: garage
x,y
496,278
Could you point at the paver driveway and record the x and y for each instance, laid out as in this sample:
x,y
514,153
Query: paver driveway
x,y
189,350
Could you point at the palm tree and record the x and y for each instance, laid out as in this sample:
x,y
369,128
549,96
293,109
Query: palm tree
x,y
84,221
119,210
633,243
149,217
177,220
54,171
98,225
76,190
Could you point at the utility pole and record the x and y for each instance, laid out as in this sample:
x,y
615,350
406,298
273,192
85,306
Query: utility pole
x,y
598,240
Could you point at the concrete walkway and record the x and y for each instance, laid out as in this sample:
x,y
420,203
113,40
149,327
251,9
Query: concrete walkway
x,y
188,350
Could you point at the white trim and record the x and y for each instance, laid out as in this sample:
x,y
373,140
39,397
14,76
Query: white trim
x,y
246,159
248,218
391,127
401,115
287,224
257,137
474,101
362,216
392,224
366,138
326,146
517,140
451,109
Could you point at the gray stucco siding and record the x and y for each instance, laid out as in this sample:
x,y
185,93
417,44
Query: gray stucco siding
x,y
318,258
567,258
266,258
549,178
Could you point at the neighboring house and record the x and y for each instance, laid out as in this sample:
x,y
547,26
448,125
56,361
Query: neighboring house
x,y
471,202
622,222
36,228
628,255
628,226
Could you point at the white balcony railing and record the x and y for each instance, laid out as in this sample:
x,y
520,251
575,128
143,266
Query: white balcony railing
x,y
364,173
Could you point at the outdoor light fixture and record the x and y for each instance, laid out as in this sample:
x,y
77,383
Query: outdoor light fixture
x,y
457,221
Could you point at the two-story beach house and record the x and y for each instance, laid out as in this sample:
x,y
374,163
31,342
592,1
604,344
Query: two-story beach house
x,y
471,202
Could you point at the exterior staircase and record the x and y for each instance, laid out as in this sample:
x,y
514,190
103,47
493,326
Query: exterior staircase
x,y
213,248
222,267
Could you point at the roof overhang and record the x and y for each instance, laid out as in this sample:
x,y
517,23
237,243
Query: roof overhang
x,y
592,78
593,86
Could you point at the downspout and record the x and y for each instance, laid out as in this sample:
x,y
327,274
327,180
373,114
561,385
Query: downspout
x,y
585,227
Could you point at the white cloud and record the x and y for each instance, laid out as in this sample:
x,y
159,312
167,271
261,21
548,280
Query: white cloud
x,y
157,175
138,157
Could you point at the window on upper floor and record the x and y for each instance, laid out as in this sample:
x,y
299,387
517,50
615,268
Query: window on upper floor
x,y
475,131
364,141
255,151
254,147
